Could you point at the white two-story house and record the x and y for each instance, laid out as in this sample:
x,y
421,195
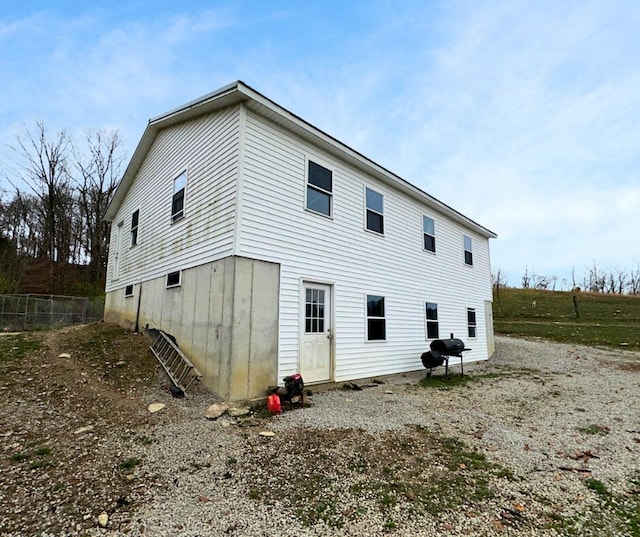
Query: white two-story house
x,y
266,247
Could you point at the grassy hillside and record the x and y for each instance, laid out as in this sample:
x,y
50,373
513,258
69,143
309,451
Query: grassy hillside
x,y
606,320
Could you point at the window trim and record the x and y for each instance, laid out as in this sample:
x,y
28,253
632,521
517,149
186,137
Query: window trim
x,y
128,291
176,284
435,321
367,209
179,215
425,234
134,231
468,263
473,325
308,185
372,317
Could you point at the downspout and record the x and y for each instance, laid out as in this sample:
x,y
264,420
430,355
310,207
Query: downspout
x,y
135,330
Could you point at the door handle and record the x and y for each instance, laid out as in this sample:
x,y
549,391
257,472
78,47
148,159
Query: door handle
x,y
329,334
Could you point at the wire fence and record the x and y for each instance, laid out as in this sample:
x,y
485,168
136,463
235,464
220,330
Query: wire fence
x,y
31,312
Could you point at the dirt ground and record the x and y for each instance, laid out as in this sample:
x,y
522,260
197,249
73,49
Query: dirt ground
x,y
526,448
63,392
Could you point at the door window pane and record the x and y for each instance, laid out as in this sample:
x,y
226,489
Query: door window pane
x,y
314,311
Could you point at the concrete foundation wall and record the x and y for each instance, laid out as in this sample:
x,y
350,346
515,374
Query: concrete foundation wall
x,y
224,316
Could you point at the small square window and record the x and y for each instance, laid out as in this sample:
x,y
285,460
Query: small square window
x,y
177,201
135,217
173,279
128,291
471,322
376,321
319,189
468,253
428,234
375,212
431,315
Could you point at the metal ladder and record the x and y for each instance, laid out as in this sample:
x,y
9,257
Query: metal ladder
x,y
180,370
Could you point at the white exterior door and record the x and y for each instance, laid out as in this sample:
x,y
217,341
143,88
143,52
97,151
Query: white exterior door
x,y
315,356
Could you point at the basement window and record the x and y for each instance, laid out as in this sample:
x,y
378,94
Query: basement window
x,y
319,189
471,322
431,315
375,211
173,279
135,217
376,321
128,291
468,253
177,201
428,234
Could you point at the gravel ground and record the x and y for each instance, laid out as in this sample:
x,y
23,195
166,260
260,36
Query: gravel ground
x,y
544,439
541,417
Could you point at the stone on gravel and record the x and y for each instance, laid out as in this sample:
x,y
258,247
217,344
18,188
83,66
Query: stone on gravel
x,y
238,411
82,430
215,411
267,433
156,407
64,355
103,518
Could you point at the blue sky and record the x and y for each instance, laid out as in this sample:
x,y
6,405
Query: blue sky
x,y
523,115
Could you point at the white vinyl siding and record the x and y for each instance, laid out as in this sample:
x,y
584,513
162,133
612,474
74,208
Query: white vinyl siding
x,y
276,227
208,149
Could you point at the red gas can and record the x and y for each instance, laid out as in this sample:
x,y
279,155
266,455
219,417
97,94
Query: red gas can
x,y
273,404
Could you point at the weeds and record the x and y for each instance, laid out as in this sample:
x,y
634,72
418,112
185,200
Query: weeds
x,y
130,464
594,429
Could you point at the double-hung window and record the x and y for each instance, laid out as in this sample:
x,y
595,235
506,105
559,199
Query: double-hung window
x,y
471,322
431,315
177,201
376,321
319,189
468,252
428,234
375,211
135,218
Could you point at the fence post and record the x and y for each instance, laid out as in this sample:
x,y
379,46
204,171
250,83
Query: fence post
x,y
26,311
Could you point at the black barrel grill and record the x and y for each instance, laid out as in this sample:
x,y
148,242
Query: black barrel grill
x,y
441,351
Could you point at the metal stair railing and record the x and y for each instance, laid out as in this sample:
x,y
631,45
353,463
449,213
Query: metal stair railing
x,y
180,370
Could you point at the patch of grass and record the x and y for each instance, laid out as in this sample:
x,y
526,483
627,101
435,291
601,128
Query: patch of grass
x,y
43,452
144,440
605,319
440,382
596,486
612,514
39,464
594,429
130,463
20,457
16,346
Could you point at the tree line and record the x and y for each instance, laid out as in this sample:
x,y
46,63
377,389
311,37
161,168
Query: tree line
x,y
52,220
595,279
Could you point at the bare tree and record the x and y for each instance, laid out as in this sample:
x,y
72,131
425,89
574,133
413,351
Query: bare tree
x,y
633,282
100,168
42,165
526,279
597,279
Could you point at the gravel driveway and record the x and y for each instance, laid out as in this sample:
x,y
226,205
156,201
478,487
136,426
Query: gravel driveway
x,y
543,440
